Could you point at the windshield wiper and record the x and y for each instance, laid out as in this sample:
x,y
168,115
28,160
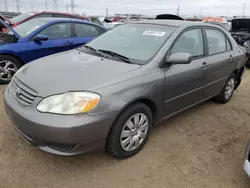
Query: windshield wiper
x,y
119,56
94,50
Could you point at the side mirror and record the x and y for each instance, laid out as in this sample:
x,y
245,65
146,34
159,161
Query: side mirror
x,y
179,58
41,37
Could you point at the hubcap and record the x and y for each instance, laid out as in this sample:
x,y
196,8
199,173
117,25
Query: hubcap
x,y
7,70
229,88
134,132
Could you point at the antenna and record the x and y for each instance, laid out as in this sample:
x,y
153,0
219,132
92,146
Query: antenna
x,y
55,4
5,6
17,5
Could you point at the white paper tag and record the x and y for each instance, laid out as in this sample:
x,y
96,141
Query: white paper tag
x,y
154,33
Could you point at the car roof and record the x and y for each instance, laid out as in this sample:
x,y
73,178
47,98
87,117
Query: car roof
x,y
54,20
63,13
174,23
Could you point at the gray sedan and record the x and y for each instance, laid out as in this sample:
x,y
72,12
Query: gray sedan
x,y
109,93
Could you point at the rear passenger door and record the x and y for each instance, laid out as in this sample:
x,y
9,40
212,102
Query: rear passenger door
x,y
84,33
219,63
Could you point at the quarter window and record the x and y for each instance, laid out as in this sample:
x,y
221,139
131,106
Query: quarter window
x,y
85,30
216,41
61,30
190,42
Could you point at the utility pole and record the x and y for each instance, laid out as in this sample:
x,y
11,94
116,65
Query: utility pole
x,y
55,4
5,6
73,5
178,10
243,12
17,5
46,5
67,8
107,12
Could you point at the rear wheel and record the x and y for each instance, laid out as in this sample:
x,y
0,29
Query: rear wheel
x,y
130,132
8,67
228,90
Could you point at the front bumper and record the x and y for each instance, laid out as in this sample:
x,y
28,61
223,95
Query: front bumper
x,y
58,134
247,159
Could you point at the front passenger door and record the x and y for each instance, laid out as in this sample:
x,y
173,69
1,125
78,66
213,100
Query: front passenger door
x,y
184,82
59,37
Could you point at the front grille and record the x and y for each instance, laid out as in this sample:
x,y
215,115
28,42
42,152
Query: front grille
x,y
61,147
22,93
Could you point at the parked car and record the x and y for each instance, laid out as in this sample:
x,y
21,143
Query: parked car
x,y
247,159
43,14
109,93
240,30
37,38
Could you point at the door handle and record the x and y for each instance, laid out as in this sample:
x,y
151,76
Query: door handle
x,y
231,58
204,65
69,42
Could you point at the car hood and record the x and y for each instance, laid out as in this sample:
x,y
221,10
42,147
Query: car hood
x,y
71,71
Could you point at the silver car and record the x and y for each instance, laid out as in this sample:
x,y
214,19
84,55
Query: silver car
x,y
109,93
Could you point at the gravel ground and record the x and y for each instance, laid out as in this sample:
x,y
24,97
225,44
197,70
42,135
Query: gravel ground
x,y
202,147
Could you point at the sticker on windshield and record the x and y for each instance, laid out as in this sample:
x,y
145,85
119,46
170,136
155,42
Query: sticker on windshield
x,y
32,29
154,33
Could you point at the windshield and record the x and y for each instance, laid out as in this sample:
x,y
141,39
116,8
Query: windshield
x,y
134,41
21,17
28,27
241,25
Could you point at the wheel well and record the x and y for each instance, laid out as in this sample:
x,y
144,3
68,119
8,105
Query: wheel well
x,y
147,102
14,57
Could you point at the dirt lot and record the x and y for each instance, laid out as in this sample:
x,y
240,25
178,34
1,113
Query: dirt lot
x,y
202,147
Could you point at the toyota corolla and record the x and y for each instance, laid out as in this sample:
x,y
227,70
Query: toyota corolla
x,y
109,93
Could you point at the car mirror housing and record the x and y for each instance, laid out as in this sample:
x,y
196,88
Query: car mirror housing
x,y
41,37
179,58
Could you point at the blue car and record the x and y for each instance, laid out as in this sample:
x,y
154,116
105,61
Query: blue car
x,y
37,38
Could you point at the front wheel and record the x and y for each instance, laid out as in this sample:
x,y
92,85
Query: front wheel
x,y
227,91
8,67
130,131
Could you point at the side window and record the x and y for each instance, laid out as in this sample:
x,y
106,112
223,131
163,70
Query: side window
x,y
43,16
190,42
229,45
60,30
61,16
85,30
216,41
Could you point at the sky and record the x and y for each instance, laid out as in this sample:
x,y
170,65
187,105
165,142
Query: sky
x,y
146,7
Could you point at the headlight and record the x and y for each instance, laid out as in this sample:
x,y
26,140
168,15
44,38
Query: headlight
x,y
69,103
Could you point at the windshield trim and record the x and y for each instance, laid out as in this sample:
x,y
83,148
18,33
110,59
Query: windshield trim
x,y
144,62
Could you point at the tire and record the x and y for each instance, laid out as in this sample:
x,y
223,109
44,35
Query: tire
x,y
223,97
114,142
8,67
